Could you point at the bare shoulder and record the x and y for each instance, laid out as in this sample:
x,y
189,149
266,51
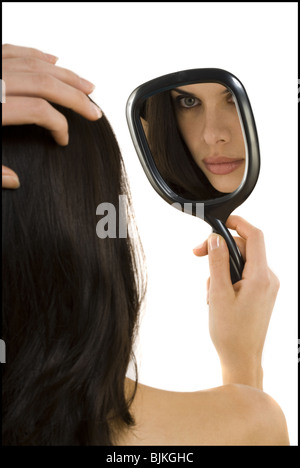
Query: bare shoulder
x,y
227,415
264,421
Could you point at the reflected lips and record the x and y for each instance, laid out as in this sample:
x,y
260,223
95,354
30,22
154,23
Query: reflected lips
x,y
221,165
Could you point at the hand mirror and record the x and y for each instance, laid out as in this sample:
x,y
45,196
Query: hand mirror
x,y
195,135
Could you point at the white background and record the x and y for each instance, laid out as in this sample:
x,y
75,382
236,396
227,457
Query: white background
x,y
119,46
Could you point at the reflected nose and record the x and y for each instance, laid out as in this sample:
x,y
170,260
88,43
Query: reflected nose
x,y
215,129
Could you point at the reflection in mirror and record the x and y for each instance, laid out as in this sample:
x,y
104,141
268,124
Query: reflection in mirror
x,y
196,139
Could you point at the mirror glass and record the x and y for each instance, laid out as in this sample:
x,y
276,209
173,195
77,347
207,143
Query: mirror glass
x,y
196,139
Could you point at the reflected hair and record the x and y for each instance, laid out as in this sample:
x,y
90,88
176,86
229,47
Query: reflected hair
x,y
70,300
170,152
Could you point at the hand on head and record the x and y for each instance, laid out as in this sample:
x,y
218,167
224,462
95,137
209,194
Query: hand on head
x,y
31,82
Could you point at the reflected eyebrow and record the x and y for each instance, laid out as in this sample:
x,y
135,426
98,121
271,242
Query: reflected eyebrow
x,y
226,91
181,91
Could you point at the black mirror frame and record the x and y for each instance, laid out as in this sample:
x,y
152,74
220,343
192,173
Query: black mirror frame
x,y
220,207
216,211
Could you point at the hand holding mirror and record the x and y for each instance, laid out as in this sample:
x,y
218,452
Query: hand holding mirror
x,y
195,135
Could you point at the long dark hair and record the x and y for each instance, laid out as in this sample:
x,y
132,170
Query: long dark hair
x,y
170,152
71,300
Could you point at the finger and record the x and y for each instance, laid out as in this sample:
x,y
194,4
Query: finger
x,y
51,89
202,249
10,50
218,255
26,110
255,252
10,179
36,65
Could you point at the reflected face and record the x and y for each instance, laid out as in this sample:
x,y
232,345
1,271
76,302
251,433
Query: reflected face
x,y
210,126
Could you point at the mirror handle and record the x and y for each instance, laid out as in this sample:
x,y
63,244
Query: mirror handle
x,y
236,268
236,259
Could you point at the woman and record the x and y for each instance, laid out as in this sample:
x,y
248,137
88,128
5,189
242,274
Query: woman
x,y
71,300
196,139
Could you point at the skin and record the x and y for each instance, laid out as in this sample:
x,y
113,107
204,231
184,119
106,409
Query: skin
x,y
237,413
230,415
210,125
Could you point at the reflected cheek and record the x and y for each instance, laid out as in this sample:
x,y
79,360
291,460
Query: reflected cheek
x,y
238,139
242,148
192,138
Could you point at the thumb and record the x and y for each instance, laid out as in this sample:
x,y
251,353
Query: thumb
x,y
218,264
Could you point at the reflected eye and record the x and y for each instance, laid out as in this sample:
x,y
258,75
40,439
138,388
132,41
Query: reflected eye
x,y
187,102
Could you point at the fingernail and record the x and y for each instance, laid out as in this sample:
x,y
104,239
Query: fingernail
x,y
87,85
9,181
97,111
214,241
